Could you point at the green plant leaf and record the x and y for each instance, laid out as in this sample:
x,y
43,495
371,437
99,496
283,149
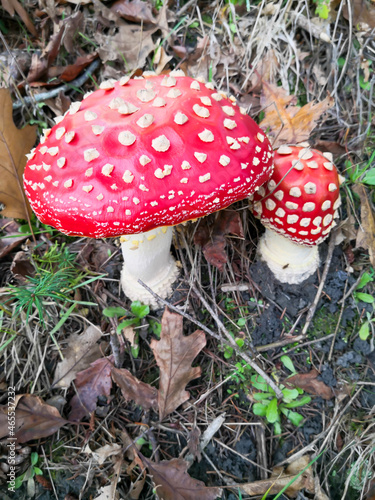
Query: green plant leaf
x,y
114,312
258,382
300,402
365,279
290,394
34,458
38,471
272,414
260,396
259,409
293,416
139,309
288,363
126,323
364,297
277,428
240,342
364,331
228,352
369,178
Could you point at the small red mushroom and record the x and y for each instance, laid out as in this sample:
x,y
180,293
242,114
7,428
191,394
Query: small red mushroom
x,y
140,155
297,206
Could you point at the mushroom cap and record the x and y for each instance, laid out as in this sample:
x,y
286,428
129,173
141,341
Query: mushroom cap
x,y
145,152
301,198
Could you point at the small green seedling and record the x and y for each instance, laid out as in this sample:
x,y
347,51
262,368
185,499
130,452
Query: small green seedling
x,y
268,406
322,8
366,278
137,313
29,474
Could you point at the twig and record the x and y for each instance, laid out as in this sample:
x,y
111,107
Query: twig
x,y
314,305
231,341
78,82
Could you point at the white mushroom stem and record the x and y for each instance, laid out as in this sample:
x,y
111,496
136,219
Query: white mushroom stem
x,y
147,258
290,262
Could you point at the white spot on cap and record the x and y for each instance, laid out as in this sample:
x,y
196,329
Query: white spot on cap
x,y
74,108
100,197
159,102
201,157
110,209
291,229
295,191
216,96
177,72
235,145
337,203
305,222
279,194
205,177
91,154
326,205
145,95
201,111
245,139
308,207
184,180
145,120
256,161
46,167
271,185
161,144
127,212
160,174
329,156
195,85
229,110
280,212
142,187
297,164
206,100
89,172
224,160
229,124
310,188
136,201
332,187
245,165
185,165
48,178
53,151
30,155
107,84
260,137
128,177
124,80
174,93
127,108
328,165
292,219
116,103
305,153
143,160
97,129
126,138
284,150
316,231
107,169
180,118
206,136
291,205
317,221
88,188
312,164
90,115
168,81
69,136
68,183
61,162
270,204
59,133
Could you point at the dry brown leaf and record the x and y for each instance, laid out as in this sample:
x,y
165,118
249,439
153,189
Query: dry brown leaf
x,y
174,354
309,383
280,479
133,389
14,144
91,383
21,267
10,236
366,232
362,12
73,24
82,350
71,72
172,482
135,10
212,239
34,419
12,6
101,454
285,122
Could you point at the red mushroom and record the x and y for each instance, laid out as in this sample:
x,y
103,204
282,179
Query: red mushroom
x,y
297,206
140,155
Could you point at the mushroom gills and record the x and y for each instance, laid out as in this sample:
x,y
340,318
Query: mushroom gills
x,y
290,262
147,258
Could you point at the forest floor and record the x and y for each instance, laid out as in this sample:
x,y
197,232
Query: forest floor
x,y
81,366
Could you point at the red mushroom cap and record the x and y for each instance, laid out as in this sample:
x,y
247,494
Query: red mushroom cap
x,y
301,198
146,152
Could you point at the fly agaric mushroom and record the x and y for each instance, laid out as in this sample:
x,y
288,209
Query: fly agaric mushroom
x,y
140,155
297,206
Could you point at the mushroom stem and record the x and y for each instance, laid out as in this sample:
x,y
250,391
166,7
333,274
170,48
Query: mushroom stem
x,y
147,257
290,262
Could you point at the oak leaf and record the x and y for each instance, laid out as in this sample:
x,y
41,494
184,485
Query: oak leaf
x,y
212,239
14,144
35,419
174,354
136,11
91,383
310,383
142,394
81,351
172,482
366,232
284,120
